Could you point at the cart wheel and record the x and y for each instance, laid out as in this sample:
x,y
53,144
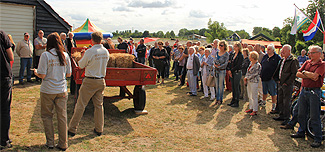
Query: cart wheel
x,y
139,98
76,93
122,92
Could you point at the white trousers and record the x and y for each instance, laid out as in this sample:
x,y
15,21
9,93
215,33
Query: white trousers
x,y
205,87
252,89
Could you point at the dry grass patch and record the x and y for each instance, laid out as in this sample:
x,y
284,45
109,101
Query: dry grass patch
x,y
176,122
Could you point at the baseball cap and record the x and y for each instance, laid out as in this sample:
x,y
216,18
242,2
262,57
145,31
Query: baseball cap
x,y
26,34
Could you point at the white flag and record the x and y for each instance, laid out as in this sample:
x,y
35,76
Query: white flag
x,y
299,20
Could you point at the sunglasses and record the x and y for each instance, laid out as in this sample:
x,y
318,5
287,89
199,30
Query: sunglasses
x,y
221,45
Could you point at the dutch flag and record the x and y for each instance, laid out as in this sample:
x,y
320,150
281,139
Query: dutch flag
x,y
312,29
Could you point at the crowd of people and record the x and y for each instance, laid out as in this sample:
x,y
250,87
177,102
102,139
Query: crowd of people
x,y
249,72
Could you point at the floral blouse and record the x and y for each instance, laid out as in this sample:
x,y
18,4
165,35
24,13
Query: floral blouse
x,y
253,72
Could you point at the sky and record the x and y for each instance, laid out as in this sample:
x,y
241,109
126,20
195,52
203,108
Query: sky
x,y
167,15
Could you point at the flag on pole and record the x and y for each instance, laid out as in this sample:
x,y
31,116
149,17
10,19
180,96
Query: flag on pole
x,y
312,29
299,19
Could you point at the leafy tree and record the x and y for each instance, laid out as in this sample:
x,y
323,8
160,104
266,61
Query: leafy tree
x,y
299,46
182,32
160,34
167,35
243,34
276,32
202,31
145,33
257,30
216,30
172,34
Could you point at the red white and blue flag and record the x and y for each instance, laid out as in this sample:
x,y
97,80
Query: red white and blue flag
x,y
312,29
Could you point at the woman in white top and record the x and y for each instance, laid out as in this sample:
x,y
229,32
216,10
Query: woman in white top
x,y
53,68
206,65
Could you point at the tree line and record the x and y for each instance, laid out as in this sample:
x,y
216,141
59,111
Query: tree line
x,y
218,30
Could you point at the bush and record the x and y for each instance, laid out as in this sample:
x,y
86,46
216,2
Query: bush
x,y
299,46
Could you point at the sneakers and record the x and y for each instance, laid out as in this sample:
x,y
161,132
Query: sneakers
x,y
211,99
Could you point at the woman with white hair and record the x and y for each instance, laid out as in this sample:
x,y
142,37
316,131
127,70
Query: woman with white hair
x,y
207,67
251,80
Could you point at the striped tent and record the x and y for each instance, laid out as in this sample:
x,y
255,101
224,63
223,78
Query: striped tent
x,y
82,34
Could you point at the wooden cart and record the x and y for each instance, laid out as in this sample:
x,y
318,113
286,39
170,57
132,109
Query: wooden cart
x,y
139,75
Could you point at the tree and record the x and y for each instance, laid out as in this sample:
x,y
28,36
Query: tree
x,y
202,31
182,32
256,30
145,33
276,32
167,35
172,34
216,30
160,34
243,34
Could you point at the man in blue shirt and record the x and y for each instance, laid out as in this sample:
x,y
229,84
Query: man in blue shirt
x,y
302,58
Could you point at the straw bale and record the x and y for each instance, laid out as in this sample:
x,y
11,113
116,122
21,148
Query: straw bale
x,y
124,60
111,61
76,56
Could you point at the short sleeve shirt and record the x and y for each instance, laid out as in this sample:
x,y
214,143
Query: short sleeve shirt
x,y
55,79
318,68
95,61
5,63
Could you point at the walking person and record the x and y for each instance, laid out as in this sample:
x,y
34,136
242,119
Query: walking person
x,y
24,50
251,79
94,60
160,57
235,73
220,64
54,68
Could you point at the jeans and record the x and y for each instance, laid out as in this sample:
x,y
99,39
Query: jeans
x,y
309,101
235,84
176,70
220,84
25,62
192,81
6,96
141,60
294,119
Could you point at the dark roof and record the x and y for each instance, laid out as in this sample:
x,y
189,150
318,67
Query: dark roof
x,y
261,37
233,37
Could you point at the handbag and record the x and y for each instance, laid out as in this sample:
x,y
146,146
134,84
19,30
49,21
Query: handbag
x,y
211,81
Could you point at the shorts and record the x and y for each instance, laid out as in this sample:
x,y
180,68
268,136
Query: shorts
x,y
269,87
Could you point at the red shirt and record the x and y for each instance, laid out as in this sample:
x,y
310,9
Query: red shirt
x,y
318,68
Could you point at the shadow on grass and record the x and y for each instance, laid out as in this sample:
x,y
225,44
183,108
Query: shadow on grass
x,y
206,108
116,122
224,117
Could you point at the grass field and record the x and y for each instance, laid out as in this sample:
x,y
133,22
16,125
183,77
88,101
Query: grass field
x,y
176,122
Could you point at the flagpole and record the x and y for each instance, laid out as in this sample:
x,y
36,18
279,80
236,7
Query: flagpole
x,y
310,19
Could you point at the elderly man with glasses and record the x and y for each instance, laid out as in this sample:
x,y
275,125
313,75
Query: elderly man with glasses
x,y
312,74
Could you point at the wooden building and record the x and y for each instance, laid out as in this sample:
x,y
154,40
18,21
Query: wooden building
x,y
20,16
